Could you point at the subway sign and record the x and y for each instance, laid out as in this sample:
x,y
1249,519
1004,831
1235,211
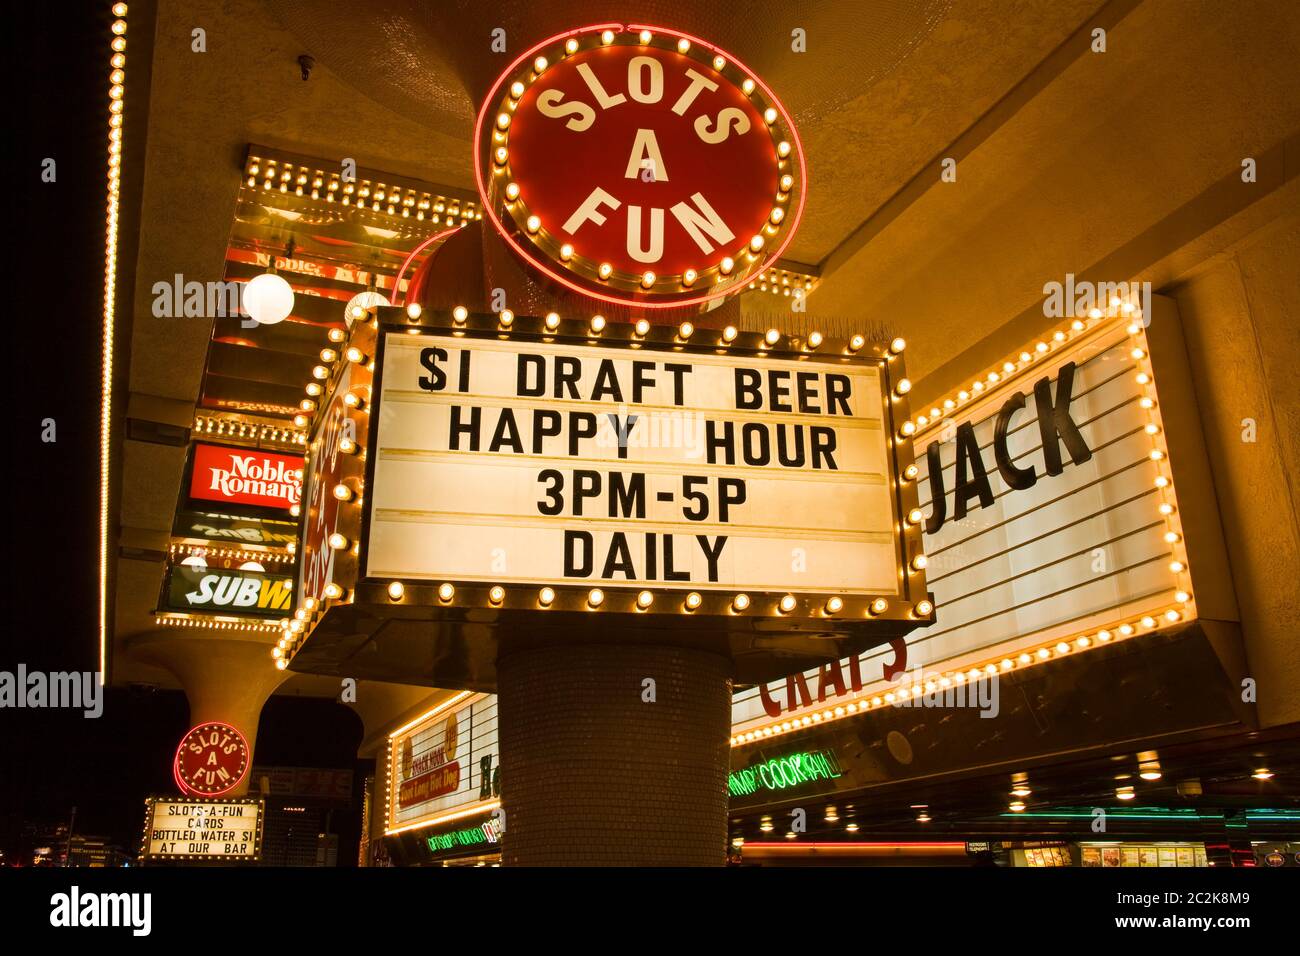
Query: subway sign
x,y
228,591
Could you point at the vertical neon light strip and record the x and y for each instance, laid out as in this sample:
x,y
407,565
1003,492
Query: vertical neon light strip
x,y
116,91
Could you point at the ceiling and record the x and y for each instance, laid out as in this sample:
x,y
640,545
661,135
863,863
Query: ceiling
x,y
880,88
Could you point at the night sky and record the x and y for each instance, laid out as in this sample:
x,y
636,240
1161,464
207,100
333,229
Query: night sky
x,y
51,760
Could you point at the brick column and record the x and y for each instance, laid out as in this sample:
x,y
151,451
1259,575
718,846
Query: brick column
x,y
593,775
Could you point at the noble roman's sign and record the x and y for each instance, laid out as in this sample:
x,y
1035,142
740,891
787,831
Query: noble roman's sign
x,y
549,463
211,760
445,763
245,476
1052,526
210,830
639,164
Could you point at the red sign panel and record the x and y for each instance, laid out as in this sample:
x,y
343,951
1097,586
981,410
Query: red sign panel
x,y
246,476
427,786
639,164
324,510
211,760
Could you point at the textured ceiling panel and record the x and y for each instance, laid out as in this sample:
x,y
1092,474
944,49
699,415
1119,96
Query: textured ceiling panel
x,y
879,90
432,60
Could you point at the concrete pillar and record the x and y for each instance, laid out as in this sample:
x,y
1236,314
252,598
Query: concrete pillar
x,y
226,679
594,773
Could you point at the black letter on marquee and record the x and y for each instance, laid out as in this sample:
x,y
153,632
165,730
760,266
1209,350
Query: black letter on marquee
x,y
823,445
606,383
619,558
731,491
838,388
725,441
521,382
747,393
806,383
507,433
641,379
571,568
586,484
1016,478
1055,423
677,371
458,427
436,380
567,370
938,497
622,430
464,371
626,495
546,424
669,573
778,388
554,491
968,452
711,554
581,425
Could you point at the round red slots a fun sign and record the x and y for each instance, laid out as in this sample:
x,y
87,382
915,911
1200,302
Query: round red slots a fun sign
x,y
639,165
211,760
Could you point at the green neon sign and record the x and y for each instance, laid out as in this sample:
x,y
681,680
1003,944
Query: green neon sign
x,y
782,773
470,836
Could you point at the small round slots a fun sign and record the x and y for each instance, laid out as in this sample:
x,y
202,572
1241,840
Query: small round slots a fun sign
x,y
211,760
639,165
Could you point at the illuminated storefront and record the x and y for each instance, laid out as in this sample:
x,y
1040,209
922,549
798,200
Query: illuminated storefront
x,y
660,420
443,782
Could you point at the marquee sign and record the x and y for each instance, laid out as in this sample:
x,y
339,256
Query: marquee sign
x,y
535,471
202,830
639,164
1052,525
555,471
252,477
333,483
445,765
212,760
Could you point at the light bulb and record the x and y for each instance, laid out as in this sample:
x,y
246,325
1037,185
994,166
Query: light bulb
x,y
268,299
363,301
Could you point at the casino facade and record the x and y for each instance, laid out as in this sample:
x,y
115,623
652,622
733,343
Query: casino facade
x,y
751,440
